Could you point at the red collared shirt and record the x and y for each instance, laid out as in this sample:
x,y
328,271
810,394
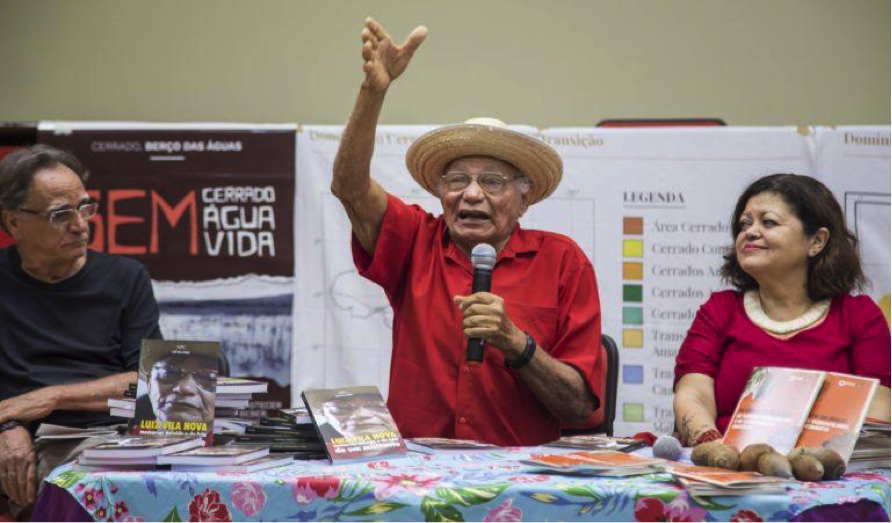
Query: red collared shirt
x,y
550,292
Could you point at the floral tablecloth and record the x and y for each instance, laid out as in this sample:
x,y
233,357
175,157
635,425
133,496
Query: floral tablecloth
x,y
480,486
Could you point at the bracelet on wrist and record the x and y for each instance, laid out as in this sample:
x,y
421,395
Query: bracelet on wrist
x,y
9,424
709,435
525,357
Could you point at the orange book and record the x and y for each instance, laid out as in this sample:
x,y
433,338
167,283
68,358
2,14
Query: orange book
x,y
839,411
721,477
557,460
614,459
773,407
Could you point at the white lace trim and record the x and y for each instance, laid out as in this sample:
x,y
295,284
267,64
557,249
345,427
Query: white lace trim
x,y
753,307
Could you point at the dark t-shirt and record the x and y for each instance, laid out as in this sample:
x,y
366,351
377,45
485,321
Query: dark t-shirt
x,y
83,328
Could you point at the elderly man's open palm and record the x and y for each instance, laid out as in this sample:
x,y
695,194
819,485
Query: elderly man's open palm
x,y
384,61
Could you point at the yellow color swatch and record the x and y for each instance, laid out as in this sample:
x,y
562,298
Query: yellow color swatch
x,y
633,338
633,248
633,270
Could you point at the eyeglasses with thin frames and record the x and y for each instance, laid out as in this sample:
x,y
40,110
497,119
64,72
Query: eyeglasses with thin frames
x,y
61,217
491,183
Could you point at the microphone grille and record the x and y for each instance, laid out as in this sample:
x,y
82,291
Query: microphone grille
x,y
667,447
483,256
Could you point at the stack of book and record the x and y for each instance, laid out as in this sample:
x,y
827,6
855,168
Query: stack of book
x,y
872,448
243,459
135,451
292,434
710,481
237,394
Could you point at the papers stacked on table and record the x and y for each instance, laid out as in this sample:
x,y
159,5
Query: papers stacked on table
x,y
711,481
595,463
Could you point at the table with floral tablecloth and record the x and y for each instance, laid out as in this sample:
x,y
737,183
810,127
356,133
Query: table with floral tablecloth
x,y
478,486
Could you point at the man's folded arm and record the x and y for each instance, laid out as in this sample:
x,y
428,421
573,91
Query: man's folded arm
x,y
85,396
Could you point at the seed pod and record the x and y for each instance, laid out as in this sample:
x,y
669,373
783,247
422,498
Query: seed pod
x,y
700,454
723,456
807,467
749,458
834,465
775,464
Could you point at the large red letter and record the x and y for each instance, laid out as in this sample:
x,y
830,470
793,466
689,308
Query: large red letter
x,y
173,215
114,220
98,243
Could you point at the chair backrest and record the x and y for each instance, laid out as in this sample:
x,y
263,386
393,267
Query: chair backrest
x,y
601,421
611,382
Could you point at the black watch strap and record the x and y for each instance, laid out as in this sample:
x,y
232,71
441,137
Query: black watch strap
x,y
525,357
9,424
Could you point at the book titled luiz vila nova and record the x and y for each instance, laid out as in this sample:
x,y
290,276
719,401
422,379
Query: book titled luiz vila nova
x,y
176,390
354,423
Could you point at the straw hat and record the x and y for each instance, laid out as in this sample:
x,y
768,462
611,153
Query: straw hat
x,y
431,153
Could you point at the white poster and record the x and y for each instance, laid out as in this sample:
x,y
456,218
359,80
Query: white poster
x,y
650,207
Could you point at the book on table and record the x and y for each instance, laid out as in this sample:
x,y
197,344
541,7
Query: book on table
x,y
141,447
449,443
177,388
229,385
354,423
773,407
217,455
246,467
791,408
839,411
596,463
727,481
50,431
596,442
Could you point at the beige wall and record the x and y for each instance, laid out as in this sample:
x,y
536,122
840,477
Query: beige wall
x,y
764,62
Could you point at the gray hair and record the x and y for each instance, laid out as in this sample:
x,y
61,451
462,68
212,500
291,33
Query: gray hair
x,y
17,172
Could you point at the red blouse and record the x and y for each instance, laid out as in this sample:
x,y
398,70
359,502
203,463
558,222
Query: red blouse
x,y
724,344
549,289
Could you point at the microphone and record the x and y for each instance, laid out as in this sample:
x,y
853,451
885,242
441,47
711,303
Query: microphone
x,y
483,258
667,447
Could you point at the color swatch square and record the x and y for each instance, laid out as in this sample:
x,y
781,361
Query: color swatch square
x,y
633,270
633,248
633,225
633,316
633,412
633,374
633,338
632,292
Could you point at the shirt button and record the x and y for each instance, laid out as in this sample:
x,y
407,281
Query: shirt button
x,y
466,369
462,420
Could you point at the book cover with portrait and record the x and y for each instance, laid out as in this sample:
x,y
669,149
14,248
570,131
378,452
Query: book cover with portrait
x,y
176,389
354,423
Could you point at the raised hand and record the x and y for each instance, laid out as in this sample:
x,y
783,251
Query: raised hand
x,y
384,60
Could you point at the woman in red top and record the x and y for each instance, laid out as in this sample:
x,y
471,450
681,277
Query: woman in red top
x,y
794,265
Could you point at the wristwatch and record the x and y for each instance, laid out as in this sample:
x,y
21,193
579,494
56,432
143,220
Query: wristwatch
x,y
9,424
525,357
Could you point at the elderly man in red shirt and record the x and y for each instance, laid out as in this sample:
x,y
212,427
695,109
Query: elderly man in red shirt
x,y
541,321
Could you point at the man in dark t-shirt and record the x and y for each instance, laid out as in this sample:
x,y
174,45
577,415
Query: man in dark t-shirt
x,y
71,319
